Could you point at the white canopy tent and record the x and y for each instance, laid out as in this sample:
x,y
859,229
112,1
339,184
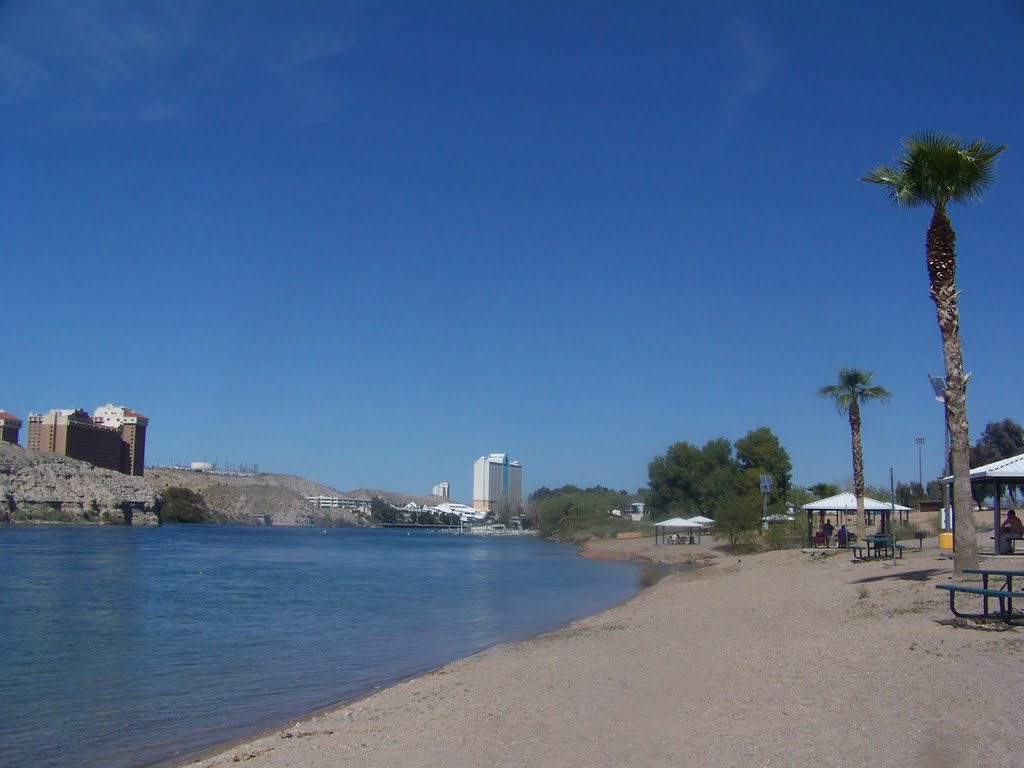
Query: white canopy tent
x,y
675,522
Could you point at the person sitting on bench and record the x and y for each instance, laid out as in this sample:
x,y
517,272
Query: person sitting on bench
x,y
842,537
1012,529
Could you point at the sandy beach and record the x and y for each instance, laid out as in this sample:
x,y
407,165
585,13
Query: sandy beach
x,y
784,658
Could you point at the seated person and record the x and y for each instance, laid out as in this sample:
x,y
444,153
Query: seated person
x,y
1012,528
673,539
842,537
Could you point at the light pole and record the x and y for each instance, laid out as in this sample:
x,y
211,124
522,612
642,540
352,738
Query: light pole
x,y
920,475
939,387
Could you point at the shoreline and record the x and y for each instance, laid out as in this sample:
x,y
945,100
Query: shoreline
x,y
589,550
644,549
789,658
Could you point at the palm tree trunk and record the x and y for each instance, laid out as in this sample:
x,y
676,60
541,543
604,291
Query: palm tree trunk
x,y
858,467
942,278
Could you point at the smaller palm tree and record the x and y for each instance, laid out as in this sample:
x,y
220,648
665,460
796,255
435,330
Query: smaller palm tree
x,y
853,389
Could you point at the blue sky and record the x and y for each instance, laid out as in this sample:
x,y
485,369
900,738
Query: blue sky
x,y
369,242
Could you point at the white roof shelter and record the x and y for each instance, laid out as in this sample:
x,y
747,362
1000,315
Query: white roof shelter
x,y
1009,471
1003,472
847,502
677,522
700,519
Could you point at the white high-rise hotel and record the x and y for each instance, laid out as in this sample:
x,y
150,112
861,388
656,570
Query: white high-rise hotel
x,y
495,478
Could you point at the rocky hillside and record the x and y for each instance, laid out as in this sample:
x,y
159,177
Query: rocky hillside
x,y
258,499
281,499
43,487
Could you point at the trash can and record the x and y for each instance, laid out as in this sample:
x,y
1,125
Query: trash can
x,y
946,540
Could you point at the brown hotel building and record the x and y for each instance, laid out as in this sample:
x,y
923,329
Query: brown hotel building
x,y
114,437
10,426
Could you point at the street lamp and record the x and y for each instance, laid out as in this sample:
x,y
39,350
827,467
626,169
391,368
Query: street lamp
x,y
920,475
939,387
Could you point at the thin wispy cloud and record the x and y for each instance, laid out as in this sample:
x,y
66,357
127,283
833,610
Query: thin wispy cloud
x,y
753,64
113,60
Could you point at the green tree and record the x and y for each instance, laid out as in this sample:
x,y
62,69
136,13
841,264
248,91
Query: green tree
x,y
739,520
909,494
383,512
854,388
799,496
575,514
183,505
691,480
824,490
761,451
1000,440
935,170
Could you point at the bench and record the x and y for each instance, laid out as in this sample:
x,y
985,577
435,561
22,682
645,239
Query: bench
x,y
1010,542
1005,597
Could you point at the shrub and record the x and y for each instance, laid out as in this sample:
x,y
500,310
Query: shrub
x,y
738,523
182,505
905,531
786,536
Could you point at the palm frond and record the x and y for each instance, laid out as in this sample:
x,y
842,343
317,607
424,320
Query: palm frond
x,y
936,169
854,386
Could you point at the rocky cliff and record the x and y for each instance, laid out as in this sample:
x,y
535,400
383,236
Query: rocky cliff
x,y
44,487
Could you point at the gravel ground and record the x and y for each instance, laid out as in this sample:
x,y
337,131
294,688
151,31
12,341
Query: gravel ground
x,y
785,658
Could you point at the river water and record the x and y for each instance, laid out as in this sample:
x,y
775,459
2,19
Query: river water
x,y
136,646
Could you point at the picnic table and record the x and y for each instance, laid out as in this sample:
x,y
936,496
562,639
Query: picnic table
x,y
1005,594
876,546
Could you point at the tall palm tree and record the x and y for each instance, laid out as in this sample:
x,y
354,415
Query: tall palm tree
x,y
937,170
853,389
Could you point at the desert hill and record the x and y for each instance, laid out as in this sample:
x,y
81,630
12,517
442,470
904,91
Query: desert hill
x,y
281,499
44,487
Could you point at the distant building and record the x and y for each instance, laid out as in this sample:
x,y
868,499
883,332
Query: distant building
x,y
495,478
10,426
466,514
339,502
72,433
113,437
441,489
132,427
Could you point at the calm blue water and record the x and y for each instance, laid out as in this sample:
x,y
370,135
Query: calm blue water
x,y
131,646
